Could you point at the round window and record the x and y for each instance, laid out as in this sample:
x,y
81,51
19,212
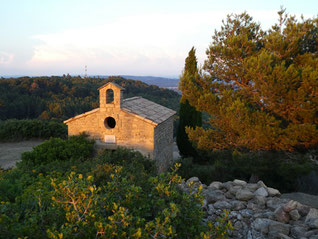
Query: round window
x,y
110,123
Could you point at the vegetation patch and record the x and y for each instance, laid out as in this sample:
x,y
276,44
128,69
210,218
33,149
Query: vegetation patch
x,y
61,191
17,130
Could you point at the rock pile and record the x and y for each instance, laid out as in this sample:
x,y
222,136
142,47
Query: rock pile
x,y
256,211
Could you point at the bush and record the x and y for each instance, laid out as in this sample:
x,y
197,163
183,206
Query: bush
x,y
115,195
132,160
279,170
14,130
56,149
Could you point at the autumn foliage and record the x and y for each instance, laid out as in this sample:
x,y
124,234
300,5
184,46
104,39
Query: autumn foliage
x,y
259,87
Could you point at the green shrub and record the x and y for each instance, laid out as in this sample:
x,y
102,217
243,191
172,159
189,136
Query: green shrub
x,y
14,130
132,160
114,195
56,149
280,170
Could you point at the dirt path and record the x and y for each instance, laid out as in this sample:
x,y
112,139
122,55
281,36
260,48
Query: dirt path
x,y
10,153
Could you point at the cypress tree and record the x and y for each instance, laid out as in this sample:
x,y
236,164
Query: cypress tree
x,y
189,116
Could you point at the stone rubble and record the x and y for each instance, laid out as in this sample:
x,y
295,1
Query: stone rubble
x,y
256,211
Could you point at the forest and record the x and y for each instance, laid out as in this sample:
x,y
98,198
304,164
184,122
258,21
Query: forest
x,y
59,98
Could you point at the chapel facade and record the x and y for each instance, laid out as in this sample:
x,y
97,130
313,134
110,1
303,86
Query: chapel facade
x,y
136,123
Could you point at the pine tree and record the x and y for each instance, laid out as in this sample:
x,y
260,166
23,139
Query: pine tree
x,y
189,116
259,87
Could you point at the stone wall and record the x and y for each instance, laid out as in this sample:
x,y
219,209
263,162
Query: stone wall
x,y
130,131
256,211
163,150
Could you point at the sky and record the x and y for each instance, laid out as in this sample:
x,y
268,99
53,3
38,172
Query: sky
x,y
119,37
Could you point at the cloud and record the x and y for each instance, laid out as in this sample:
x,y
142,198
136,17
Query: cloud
x,y
6,58
148,44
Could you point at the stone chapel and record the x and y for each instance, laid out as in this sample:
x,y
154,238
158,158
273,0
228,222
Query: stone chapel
x,y
135,123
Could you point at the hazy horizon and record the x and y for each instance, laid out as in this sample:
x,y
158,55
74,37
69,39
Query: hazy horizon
x,y
140,38
89,75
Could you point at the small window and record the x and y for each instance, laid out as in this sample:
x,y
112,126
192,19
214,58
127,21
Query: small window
x,y
110,123
109,96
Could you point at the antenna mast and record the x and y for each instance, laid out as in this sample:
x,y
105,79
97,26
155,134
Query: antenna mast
x,y
85,76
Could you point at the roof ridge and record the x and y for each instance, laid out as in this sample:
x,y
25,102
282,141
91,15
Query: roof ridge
x,y
132,98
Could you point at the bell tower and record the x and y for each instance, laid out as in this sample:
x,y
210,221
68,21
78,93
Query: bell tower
x,y
110,96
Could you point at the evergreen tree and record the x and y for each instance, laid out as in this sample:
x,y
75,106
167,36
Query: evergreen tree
x,y
259,87
189,116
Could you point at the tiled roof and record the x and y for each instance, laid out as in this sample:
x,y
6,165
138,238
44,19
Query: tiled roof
x,y
147,109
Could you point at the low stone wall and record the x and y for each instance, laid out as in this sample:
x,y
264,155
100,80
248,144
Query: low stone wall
x,y
256,211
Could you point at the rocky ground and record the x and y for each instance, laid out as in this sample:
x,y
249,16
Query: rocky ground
x,y
256,211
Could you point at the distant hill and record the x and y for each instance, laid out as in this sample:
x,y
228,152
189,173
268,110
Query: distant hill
x,y
153,80
162,82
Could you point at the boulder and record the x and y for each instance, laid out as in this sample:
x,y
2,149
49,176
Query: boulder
x,y
247,213
266,214
244,195
216,185
260,200
261,192
252,187
238,182
312,214
313,223
234,189
281,215
238,205
302,209
297,231
254,206
272,192
273,203
213,196
211,207
229,195
291,205
238,225
193,181
227,185
261,225
222,205
294,215
278,235
279,227
261,184
311,233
